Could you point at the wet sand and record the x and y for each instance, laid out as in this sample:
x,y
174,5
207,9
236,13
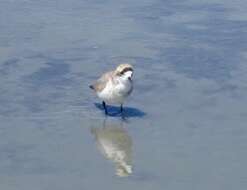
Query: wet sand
x,y
184,126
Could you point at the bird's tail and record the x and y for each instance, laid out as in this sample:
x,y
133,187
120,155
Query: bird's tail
x,y
91,86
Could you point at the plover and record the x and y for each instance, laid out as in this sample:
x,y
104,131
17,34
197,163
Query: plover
x,y
115,86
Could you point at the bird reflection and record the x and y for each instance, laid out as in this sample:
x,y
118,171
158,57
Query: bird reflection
x,y
115,144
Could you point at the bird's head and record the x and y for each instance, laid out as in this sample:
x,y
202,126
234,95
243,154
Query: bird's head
x,y
124,72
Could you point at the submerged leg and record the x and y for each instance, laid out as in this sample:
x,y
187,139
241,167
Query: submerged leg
x,y
104,105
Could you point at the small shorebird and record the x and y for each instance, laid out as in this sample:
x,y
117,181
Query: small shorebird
x,y
114,87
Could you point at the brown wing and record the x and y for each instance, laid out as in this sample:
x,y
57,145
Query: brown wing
x,y
100,84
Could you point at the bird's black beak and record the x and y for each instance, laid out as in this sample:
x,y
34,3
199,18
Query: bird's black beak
x,y
129,78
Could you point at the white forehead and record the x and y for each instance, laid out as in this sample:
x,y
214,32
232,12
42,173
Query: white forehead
x,y
128,73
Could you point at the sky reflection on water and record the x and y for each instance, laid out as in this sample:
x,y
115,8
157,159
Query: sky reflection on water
x,y
186,117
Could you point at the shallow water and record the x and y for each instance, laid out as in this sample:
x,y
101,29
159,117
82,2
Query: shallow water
x,y
184,126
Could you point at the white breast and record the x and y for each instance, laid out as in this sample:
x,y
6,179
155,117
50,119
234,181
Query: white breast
x,y
115,93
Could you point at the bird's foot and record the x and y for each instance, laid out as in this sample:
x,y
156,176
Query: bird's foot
x,y
121,108
104,106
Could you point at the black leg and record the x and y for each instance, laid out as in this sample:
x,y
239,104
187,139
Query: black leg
x,y
121,108
104,105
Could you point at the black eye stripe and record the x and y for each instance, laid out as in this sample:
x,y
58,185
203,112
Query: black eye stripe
x,y
125,70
